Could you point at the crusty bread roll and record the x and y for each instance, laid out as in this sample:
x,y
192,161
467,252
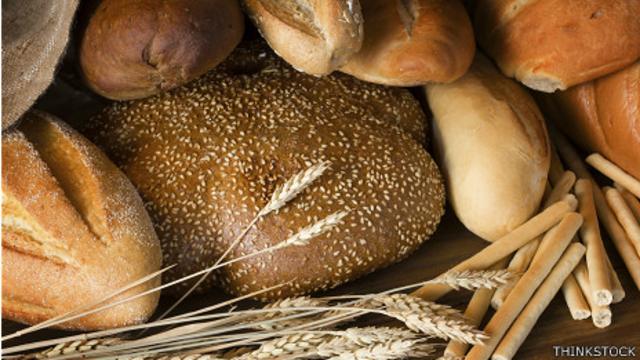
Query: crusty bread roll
x,y
73,229
413,42
602,116
316,37
206,157
136,48
493,148
554,44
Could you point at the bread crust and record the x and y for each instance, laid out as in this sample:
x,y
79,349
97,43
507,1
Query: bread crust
x,y
555,44
249,126
73,229
134,49
413,42
602,116
492,145
316,37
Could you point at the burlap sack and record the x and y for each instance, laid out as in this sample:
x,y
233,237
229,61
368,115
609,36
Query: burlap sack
x,y
34,36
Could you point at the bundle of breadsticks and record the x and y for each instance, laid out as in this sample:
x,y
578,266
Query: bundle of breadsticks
x,y
559,250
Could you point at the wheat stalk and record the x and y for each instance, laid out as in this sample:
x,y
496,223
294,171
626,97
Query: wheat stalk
x,y
288,345
393,349
431,318
473,280
305,234
292,187
76,347
286,305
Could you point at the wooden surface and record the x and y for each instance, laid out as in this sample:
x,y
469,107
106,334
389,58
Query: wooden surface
x,y
451,244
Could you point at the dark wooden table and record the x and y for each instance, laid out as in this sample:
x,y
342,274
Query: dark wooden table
x,y
451,244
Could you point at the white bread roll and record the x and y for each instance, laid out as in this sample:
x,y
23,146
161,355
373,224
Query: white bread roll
x,y
493,148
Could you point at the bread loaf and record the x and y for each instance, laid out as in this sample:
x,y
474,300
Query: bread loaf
x,y
206,157
136,48
554,44
492,145
73,229
316,37
602,116
413,42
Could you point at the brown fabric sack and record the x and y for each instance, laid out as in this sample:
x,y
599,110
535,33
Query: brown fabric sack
x,y
34,36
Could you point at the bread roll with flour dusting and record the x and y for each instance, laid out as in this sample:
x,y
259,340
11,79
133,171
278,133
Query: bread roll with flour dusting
x,y
492,144
73,230
207,157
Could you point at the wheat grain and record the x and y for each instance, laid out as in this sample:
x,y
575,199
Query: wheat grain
x,y
288,345
303,236
476,279
292,187
76,347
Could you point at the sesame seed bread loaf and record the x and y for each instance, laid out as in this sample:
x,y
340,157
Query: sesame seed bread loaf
x,y
492,144
316,37
551,45
136,48
73,229
602,116
413,42
207,157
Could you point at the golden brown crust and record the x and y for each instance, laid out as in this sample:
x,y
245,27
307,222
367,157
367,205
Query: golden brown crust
x,y
493,147
247,127
73,229
602,116
134,49
413,42
554,44
316,37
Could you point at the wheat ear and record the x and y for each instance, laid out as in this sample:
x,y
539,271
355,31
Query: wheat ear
x,y
303,236
475,279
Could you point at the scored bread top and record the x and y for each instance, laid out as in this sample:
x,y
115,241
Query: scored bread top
x,y
207,157
73,229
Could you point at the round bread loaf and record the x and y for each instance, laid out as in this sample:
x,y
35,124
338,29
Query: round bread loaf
x,y
316,37
413,42
206,158
554,44
74,230
136,48
602,116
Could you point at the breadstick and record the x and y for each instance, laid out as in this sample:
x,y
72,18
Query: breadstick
x,y
577,304
538,303
618,236
505,245
600,314
551,248
477,308
624,215
616,286
614,173
632,201
523,256
608,219
596,254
